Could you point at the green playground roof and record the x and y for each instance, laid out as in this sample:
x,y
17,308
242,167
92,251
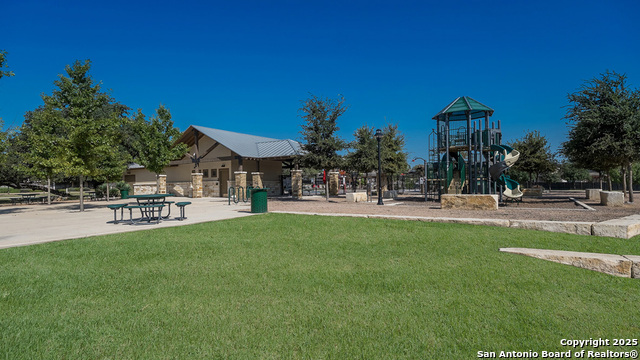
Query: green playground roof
x,y
458,108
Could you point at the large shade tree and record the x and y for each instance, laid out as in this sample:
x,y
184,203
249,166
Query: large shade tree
x,y
604,125
88,122
320,141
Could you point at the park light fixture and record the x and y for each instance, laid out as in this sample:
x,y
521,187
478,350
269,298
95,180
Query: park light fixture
x,y
379,137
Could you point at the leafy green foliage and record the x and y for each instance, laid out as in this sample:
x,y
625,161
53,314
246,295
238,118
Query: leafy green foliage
x,y
77,131
394,158
572,173
3,65
364,157
320,142
154,140
536,157
604,123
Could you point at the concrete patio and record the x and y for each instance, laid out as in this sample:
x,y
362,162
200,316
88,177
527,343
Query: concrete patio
x,y
33,224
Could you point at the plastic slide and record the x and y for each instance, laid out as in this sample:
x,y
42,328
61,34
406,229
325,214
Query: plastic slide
x,y
510,156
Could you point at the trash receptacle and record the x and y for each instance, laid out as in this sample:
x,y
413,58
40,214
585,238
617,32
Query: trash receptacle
x,y
259,200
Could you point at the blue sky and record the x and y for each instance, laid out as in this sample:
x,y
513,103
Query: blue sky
x,y
246,66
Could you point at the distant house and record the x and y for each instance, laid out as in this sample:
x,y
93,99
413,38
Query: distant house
x,y
218,155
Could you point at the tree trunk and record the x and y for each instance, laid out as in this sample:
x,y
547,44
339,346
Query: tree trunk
x,y
630,182
326,189
600,178
107,191
81,193
624,180
48,190
609,181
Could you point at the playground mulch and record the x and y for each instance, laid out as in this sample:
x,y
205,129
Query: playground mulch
x,y
552,206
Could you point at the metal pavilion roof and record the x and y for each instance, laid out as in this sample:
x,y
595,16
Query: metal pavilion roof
x,y
458,108
250,146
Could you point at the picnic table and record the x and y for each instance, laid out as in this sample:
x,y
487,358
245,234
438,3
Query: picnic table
x,y
28,197
149,204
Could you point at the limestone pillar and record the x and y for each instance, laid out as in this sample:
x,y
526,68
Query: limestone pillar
x,y
296,184
334,183
196,183
162,184
241,180
256,179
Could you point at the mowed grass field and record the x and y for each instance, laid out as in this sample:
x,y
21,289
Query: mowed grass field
x,y
293,286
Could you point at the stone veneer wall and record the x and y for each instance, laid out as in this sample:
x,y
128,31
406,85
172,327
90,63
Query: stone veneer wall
x,y
256,179
211,188
179,188
241,180
296,184
196,181
162,184
334,183
145,188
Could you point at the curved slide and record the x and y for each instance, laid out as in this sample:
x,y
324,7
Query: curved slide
x,y
510,156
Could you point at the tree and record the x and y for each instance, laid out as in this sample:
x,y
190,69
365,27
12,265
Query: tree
x,y
363,158
535,156
43,139
394,158
87,121
3,65
11,172
604,125
154,142
572,173
320,142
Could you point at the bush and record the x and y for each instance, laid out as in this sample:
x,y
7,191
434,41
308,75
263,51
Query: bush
x,y
121,185
101,191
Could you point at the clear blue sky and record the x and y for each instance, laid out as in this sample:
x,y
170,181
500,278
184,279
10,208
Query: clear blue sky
x,y
246,66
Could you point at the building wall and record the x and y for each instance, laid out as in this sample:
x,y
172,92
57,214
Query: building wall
x,y
179,172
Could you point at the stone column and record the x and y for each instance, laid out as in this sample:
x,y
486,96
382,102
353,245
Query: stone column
x,y
196,183
256,179
296,184
162,184
334,183
241,180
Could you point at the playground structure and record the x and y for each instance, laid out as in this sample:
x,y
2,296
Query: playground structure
x,y
466,154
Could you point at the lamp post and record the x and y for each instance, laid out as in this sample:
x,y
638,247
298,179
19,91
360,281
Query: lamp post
x,y
379,137
424,169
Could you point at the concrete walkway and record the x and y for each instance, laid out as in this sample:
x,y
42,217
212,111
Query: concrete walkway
x,y
33,224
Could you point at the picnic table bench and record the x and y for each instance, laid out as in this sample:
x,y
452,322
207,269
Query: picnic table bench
x,y
148,212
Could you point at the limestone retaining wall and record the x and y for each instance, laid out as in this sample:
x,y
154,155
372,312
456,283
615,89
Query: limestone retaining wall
x,y
469,202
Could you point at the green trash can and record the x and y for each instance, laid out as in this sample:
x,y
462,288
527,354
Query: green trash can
x,y
124,194
259,200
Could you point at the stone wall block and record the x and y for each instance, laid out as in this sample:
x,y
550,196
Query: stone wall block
x,y
196,183
296,184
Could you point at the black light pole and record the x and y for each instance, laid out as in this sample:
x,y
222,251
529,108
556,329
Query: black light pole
x,y
379,137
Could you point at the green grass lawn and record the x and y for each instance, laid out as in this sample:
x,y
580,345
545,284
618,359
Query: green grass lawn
x,y
288,286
